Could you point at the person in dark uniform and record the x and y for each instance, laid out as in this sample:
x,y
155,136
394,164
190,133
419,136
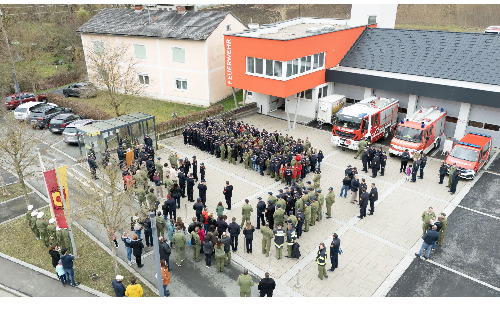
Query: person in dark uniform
x,y
301,217
373,197
228,193
404,161
195,168
363,203
442,172
288,176
187,166
92,166
375,165
202,171
190,187
198,209
414,170
423,162
261,210
364,159
383,163
202,192
266,286
455,177
234,231
185,135
270,214
334,252
182,183
148,141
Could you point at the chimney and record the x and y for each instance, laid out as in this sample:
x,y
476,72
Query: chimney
x,y
138,8
181,10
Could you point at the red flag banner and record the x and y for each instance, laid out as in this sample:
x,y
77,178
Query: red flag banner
x,y
56,198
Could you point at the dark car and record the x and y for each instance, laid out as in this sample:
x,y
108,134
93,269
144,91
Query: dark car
x,y
40,118
13,101
59,122
79,90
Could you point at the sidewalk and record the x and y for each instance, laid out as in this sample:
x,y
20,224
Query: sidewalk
x,y
33,283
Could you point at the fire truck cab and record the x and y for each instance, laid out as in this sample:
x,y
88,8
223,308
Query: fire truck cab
x,y
371,118
419,132
470,154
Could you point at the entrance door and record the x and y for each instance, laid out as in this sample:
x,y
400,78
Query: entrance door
x,y
276,103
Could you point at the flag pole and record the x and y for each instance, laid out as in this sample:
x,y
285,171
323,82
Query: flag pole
x,y
66,212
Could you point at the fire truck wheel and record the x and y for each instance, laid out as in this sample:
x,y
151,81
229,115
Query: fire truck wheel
x,y
436,143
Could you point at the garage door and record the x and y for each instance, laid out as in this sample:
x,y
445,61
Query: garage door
x,y
403,99
485,120
350,91
452,108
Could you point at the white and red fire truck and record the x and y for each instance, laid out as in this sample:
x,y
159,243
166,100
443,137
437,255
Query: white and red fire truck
x,y
371,118
419,132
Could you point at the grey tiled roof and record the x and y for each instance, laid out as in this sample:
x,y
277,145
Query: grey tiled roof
x,y
195,25
471,57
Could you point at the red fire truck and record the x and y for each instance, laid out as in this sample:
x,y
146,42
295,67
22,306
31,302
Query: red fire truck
x,y
371,118
470,154
419,132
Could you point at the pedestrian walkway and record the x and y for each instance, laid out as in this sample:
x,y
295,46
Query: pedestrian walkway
x,y
33,283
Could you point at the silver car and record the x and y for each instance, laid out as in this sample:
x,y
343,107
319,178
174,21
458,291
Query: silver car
x,y
70,132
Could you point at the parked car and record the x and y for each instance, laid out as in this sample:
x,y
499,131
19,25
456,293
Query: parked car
x,y
40,117
23,111
70,132
59,122
492,30
79,90
470,154
13,101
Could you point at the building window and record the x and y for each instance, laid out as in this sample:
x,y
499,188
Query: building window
x,y
372,19
144,79
289,68
259,66
316,61
249,94
278,65
181,84
306,94
178,55
269,68
308,63
295,69
140,51
322,92
302,64
402,110
228,27
450,119
491,127
475,124
250,65
98,46
321,59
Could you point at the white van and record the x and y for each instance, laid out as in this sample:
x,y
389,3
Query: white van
x,y
492,30
23,111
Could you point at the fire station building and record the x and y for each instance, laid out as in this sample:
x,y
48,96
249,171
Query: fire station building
x,y
287,66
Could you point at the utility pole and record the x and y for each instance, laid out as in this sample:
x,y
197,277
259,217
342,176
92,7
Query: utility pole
x,y
156,248
16,84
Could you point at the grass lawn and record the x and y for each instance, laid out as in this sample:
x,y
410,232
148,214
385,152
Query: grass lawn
x,y
450,28
45,67
19,242
228,103
15,190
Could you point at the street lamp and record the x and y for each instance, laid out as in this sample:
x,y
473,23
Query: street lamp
x,y
18,91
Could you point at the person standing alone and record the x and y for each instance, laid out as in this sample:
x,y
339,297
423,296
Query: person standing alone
x,y
334,252
228,194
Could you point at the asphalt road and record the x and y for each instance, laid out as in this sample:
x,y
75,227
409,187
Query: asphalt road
x,y
469,260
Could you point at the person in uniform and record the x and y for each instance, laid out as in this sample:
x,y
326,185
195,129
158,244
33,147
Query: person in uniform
x,y
317,179
361,147
442,172
51,232
314,210
455,177
195,168
414,170
160,224
300,221
245,282
375,165
234,232
152,200
246,211
261,210
202,192
41,225
228,193
330,200
290,238
279,215
220,256
321,261
442,231
427,216
270,214
405,157
179,241
383,163
321,202
190,187
363,203
266,286
452,169
279,240
267,235
334,252
373,197
364,159
202,171
173,160
308,215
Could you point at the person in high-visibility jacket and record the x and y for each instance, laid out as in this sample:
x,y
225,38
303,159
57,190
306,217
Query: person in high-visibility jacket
x,y
290,236
321,260
279,240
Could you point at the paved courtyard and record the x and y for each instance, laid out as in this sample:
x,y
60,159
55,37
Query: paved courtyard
x,y
377,249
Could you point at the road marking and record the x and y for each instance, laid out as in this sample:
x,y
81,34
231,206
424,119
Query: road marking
x,y
464,275
19,216
479,212
15,198
37,192
61,152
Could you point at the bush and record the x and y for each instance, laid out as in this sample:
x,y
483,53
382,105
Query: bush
x,y
78,107
193,117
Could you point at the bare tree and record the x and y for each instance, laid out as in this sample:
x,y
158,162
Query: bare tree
x,y
106,203
113,69
17,142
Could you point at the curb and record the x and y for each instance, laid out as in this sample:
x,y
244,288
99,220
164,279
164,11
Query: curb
x,y
13,291
51,275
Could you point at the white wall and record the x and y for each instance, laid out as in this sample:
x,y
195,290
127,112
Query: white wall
x,y
386,14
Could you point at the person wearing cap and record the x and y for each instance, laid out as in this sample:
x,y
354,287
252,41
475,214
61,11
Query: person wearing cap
x,y
33,219
314,210
300,222
383,162
290,237
270,214
329,200
246,211
41,225
27,216
321,261
405,157
334,252
321,202
202,171
228,194
279,240
202,192
152,200
271,198
317,179
51,232
179,241
279,214
451,171
190,187
261,210
281,201
118,286
308,215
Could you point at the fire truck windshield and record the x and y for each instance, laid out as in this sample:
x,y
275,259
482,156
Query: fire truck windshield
x,y
408,134
464,154
351,122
